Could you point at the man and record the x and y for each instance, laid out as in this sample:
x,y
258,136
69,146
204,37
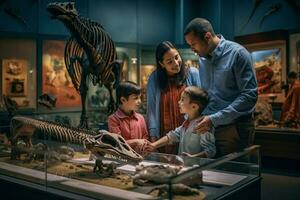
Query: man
x,y
227,74
290,115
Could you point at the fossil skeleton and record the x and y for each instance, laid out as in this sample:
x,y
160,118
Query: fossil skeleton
x,y
100,143
89,53
153,174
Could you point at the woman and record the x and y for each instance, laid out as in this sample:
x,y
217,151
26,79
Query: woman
x,y
164,87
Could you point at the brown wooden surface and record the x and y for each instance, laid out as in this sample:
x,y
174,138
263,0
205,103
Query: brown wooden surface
x,y
278,142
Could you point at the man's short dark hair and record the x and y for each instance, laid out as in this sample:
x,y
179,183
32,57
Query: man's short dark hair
x,y
197,96
199,26
125,89
293,75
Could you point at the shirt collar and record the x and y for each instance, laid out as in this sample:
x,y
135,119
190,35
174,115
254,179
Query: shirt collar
x,y
187,123
219,48
120,114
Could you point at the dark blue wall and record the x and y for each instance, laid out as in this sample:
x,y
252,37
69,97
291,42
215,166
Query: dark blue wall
x,y
151,21
130,21
285,18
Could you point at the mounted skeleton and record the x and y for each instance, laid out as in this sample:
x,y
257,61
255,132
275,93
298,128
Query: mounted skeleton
x,y
89,53
98,143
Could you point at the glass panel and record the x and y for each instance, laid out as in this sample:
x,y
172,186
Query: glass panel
x,y
24,156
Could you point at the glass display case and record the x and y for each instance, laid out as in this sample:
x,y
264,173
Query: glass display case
x,y
36,158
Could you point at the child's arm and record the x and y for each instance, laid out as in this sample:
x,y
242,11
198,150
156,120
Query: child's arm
x,y
207,142
161,142
170,138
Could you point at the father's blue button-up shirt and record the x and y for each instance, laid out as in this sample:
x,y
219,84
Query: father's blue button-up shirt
x,y
229,79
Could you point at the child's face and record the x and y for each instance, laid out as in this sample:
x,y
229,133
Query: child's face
x,y
133,102
184,104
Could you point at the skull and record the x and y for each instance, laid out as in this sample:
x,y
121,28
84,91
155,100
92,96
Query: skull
x,y
113,145
62,10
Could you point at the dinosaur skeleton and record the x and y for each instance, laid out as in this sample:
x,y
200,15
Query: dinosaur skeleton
x,y
101,143
89,53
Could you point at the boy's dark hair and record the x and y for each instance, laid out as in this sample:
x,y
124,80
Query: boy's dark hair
x,y
199,26
125,89
197,96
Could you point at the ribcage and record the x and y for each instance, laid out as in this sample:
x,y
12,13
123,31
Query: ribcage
x,y
92,45
72,50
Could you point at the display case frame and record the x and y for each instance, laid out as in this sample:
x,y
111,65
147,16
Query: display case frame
x,y
227,177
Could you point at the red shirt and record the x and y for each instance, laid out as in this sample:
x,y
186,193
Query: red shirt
x,y
129,127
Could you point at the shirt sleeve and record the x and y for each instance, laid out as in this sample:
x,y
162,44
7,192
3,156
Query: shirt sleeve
x,y
174,135
114,125
153,125
193,77
207,142
246,82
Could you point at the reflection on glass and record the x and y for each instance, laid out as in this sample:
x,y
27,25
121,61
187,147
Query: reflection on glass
x,y
189,57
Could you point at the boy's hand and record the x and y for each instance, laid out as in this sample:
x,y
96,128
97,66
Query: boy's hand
x,y
148,148
204,125
141,146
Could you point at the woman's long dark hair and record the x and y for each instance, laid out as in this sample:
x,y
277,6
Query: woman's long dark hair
x,y
162,76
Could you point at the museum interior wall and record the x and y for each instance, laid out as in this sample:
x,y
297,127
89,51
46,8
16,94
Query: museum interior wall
x,y
32,47
29,38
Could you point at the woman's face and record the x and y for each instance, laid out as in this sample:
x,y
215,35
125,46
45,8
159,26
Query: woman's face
x,y
171,62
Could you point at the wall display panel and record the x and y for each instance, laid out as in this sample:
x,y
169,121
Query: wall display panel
x,y
269,56
18,71
55,77
15,77
269,61
295,52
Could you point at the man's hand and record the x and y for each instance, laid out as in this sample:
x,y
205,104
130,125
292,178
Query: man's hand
x,y
204,125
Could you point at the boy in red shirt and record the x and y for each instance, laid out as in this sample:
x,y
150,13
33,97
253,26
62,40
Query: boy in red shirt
x,y
126,121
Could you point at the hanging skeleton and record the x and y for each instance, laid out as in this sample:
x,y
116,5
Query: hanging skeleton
x,y
89,54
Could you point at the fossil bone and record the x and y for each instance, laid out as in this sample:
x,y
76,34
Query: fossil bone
x,y
98,143
89,53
